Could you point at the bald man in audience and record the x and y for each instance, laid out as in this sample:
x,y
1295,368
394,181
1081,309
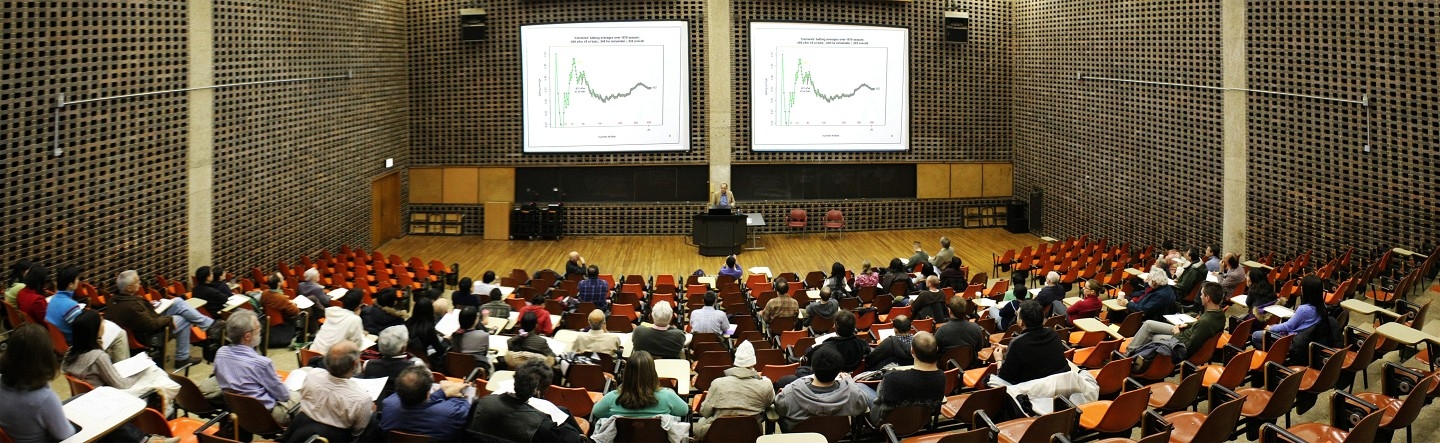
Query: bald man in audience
x,y
923,384
330,398
575,265
596,340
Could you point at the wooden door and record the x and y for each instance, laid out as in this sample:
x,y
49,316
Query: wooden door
x,y
385,209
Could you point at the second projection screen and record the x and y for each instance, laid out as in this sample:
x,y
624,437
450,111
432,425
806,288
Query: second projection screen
x,y
606,87
819,87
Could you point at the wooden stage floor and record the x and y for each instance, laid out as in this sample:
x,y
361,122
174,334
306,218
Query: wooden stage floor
x,y
651,254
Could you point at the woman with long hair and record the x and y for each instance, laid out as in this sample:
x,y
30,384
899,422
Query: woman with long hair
x,y
1259,292
87,361
423,337
32,411
463,295
640,394
1310,312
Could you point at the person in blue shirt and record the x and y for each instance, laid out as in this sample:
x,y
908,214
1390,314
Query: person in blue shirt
x,y
1310,312
723,198
732,268
593,289
415,409
63,308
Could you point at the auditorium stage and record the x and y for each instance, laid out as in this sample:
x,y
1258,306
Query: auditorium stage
x,y
652,254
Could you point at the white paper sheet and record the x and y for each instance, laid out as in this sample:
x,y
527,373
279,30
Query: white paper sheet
x,y
303,302
372,386
134,365
448,324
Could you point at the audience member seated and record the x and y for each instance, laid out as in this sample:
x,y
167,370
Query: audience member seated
x,y
920,256
1179,340
930,303
31,299
496,307
1156,301
852,348
32,411
1089,304
485,284
332,398
825,307
923,384
836,282
239,369
828,391
1260,294
596,340
462,296
1005,312
1052,293
515,416
640,394
204,290
393,357
894,350
708,320
660,340
944,255
960,331
1193,273
952,276
87,362
530,341
132,312
898,272
383,314
1231,273
284,329
782,305
441,306
731,268
472,338
536,305
575,266
342,323
740,392
414,409
1310,312
594,290
62,307
1017,287
1035,352
423,336
867,277
17,281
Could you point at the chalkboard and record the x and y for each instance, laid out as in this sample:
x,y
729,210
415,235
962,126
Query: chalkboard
x,y
613,184
822,182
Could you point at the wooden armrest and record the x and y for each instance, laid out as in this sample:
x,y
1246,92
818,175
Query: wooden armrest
x,y
1220,394
1271,433
1274,372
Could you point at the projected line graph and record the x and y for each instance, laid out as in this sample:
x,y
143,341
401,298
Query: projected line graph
x,y
830,86
605,86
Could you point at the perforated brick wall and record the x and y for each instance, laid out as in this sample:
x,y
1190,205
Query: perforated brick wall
x,y
116,198
1131,162
1312,185
469,92
294,162
960,94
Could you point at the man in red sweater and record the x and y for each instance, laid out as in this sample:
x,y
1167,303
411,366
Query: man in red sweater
x,y
542,317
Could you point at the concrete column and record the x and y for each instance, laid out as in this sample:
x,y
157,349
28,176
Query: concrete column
x,y
718,65
1235,131
199,199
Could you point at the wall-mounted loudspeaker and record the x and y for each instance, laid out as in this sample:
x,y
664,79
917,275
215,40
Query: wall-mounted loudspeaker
x,y
957,26
472,24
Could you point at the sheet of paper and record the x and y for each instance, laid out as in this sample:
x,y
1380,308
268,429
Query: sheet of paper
x,y
303,302
729,331
337,293
133,365
886,333
372,386
367,341
112,333
1281,311
448,324
163,305
1179,319
1241,299
296,379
